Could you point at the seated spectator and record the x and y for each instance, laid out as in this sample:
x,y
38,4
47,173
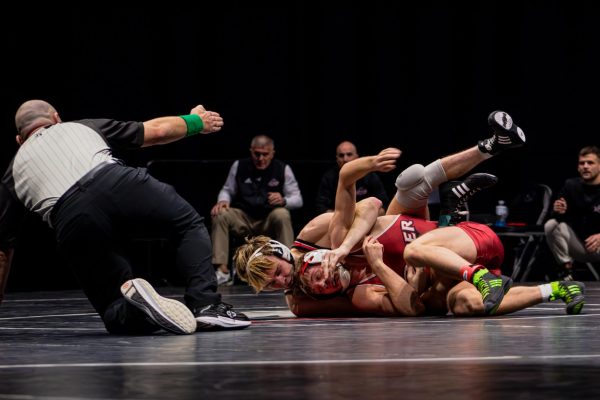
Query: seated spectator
x,y
574,231
255,199
369,186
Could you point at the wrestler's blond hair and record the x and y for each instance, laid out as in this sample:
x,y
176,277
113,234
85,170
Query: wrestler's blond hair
x,y
254,270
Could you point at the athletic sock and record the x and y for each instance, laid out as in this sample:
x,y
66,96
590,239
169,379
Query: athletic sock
x,y
547,290
471,273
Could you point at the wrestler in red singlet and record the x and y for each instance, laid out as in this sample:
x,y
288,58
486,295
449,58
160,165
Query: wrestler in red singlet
x,y
403,230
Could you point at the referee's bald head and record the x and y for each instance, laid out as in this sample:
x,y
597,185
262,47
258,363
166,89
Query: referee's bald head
x,y
32,114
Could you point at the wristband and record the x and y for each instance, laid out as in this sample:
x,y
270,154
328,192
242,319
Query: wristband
x,y
194,124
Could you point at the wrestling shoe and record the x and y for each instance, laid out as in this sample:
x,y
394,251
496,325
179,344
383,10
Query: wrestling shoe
x,y
220,316
169,314
507,135
455,198
492,289
571,292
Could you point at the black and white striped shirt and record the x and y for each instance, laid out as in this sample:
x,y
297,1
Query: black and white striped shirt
x,y
53,158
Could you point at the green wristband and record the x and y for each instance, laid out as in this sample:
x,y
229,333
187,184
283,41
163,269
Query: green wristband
x,y
194,124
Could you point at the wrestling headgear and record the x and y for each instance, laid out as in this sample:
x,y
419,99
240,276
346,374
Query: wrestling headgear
x,y
279,249
315,257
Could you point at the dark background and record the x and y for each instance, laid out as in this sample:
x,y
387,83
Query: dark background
x,y
422,77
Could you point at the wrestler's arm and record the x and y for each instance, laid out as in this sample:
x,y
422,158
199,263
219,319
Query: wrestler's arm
x,y
303,306
351,221
315,231
365,218
398,298
376,300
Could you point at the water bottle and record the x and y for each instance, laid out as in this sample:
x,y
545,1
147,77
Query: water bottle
x,y
501,214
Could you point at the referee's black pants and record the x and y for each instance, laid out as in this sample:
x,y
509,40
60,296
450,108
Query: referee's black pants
x,y
91,221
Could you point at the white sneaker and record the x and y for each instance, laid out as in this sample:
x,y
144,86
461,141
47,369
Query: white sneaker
x,y
222,277
169,314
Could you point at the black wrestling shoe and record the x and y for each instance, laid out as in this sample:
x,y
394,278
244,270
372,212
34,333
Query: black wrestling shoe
x,y
169,314
492,289
220,316
456,197
507,135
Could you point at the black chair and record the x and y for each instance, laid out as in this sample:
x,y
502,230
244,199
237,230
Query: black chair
x,y
528,213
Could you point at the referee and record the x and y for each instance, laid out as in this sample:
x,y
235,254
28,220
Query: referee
x,y
66,173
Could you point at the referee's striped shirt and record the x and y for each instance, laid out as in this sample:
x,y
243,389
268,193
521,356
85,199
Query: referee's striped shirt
x,y
53,158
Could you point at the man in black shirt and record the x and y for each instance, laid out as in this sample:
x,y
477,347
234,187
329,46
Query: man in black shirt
x,y
369,186
574,231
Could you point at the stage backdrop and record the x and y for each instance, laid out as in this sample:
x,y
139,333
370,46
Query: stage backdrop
x,y
421,77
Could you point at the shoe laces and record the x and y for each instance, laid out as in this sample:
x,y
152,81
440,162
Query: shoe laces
x,y
462,193
568,292
486,282
217,306
222,306
483,288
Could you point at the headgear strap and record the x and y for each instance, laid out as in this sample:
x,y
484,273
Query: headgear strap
x,y
279,249
312,258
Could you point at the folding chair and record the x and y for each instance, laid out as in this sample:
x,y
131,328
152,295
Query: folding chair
x,y
531,209
593,270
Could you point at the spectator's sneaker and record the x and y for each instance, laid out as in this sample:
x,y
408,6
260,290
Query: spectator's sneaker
x,y
506,134
220,316
455,199
228,283
222,277
492,289
231,280
571,292
169,314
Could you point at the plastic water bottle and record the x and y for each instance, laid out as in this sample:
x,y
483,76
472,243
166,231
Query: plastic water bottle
x,y
501,214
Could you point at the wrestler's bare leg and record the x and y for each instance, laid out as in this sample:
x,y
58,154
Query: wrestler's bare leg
x,y
414,190
445,250
465,301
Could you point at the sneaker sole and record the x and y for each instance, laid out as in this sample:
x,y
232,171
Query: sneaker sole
x,y
576,305
502,119
220,322
169,314
503,124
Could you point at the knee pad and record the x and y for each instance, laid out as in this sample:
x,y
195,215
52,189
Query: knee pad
x,y
416,183
410,177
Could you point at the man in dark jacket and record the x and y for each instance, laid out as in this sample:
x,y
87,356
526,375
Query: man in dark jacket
x,y
255,199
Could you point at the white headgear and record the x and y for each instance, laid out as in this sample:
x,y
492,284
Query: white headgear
x,y
279,249
315,257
